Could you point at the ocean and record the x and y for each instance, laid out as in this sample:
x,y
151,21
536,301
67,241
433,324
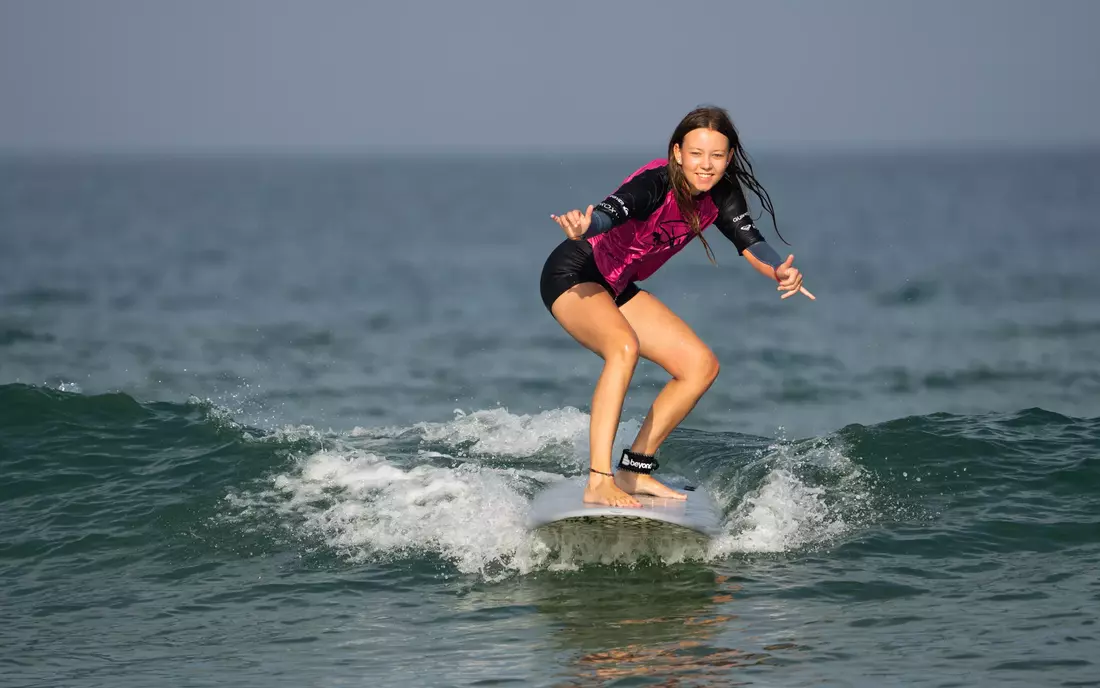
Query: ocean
x,y
277,420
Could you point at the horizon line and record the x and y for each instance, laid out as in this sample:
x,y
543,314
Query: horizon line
x,y
768,149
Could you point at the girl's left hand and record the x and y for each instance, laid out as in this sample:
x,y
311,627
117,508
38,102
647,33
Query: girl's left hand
x,y
790,279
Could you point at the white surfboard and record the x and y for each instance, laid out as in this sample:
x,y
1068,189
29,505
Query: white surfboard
x,y
564,502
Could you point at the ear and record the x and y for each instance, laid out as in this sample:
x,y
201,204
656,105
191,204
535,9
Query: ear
x,y
677,154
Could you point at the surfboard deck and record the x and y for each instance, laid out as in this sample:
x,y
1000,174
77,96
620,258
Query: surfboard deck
x,y
564,501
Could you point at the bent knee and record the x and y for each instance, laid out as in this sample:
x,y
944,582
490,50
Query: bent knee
x,y
623,349
714,367
704,369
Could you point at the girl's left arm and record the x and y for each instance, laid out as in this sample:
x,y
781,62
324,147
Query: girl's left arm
x,y
735,221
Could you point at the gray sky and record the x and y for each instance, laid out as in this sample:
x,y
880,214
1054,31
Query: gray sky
x,y
212,74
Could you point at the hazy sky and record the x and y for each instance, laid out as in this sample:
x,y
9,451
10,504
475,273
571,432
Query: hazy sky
x,y
159,74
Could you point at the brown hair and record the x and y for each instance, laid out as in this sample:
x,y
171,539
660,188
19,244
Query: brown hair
x,y
739,170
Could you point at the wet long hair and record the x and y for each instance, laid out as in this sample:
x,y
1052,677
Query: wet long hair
x,y
739,168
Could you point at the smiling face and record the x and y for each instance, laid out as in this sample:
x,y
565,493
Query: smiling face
x,y
704,156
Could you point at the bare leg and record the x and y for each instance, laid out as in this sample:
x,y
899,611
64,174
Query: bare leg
x,y
588,313
666,340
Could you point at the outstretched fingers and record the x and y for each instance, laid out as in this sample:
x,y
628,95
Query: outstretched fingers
x,y
801,290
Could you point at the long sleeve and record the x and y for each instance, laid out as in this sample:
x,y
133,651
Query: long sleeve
x,y
637,197
734,219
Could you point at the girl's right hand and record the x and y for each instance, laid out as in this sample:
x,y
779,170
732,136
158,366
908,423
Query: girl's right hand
x,y
574,223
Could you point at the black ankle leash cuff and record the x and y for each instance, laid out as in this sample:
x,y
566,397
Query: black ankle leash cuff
x,y
637,463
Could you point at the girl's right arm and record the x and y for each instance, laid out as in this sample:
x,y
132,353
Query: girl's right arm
x,y
636,198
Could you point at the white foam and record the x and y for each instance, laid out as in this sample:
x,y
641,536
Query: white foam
x,y
366,502
366,507
785,513
782,515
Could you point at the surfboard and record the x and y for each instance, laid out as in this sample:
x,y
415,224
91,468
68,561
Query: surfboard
x,y
563,502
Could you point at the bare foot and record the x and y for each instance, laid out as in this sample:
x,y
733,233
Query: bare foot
x,y
642,483
602,490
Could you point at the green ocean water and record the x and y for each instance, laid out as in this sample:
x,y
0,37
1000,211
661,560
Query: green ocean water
x,y
278,422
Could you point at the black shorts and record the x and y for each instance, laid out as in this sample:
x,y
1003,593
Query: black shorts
x,y
570,264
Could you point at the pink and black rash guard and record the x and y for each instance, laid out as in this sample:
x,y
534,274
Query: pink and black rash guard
x,y
638,228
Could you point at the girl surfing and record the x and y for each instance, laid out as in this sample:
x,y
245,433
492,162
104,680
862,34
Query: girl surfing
x,y
589,285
